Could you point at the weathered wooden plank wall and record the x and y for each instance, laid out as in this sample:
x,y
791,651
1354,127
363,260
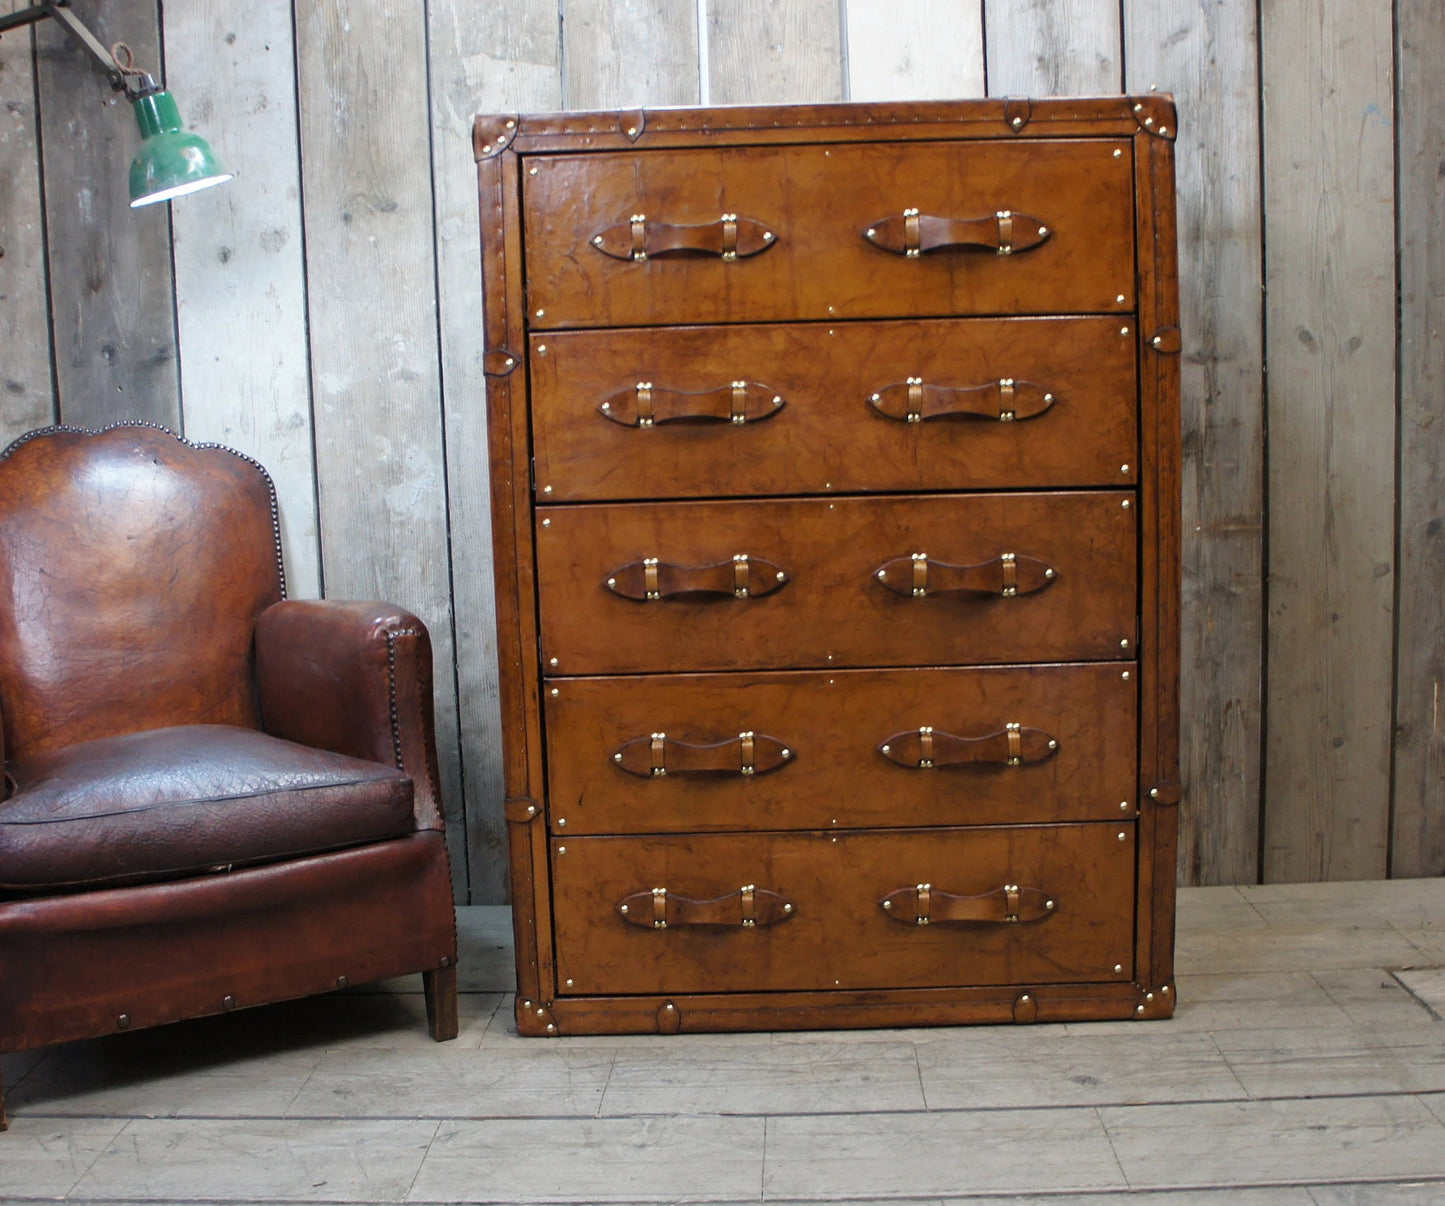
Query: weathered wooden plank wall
x,y
322,313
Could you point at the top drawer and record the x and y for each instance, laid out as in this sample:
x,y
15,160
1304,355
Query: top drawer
x,y
828,232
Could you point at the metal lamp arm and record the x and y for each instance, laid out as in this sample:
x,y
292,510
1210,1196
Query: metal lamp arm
x,y
133,84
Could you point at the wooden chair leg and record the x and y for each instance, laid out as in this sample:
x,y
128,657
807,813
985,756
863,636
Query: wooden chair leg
x,y
440,987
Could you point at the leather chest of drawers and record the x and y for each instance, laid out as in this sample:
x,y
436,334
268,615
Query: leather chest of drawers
x,y
835,470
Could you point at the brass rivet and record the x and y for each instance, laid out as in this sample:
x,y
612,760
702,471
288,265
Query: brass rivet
x,y
1025,997
1123,837
787,908
885,749
1125,504
511,124
1153,793
1049,573
569,983
551,661
887,904
1048,904
1163,129
616,757
555,693
531,812
1157,341
446,961
1118,967
1053,745
1123,330
343,981
543,313
1138,1009
528,1004
551,1028
1124,644
871,232
228,1002
1123,468
1017,123
623,909
546,523
562,850
1119,299
1118,154
1125,675
123,1022
510,362
1123,805
1148,996
787,753
561,822
542,347
541,1013
1165,990
1043,232
531,171
546,489
670,1007
631,131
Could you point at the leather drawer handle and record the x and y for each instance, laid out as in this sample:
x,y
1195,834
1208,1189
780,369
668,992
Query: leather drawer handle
x,y
748,908
641,238
911,401
924,904
645,405
925,748
743,577
912,234
1008,574
657,755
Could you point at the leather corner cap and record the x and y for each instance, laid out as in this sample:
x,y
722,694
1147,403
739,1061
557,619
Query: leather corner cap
x,y
183,801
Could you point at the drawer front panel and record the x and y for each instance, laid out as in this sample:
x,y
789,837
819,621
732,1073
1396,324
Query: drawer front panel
x,y
815,760
1073,558
819,920
806,421
803,250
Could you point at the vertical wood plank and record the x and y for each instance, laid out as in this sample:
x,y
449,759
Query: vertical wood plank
x,y
1419,833
376,383
1052,47
240,284
1330,263
926,50
641,52
765,52
1204,52
112,298
503,57
26,397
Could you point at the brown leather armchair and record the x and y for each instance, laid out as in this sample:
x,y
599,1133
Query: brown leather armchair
x,y
213,797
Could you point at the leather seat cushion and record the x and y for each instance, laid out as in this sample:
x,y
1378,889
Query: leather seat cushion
x,y
184,801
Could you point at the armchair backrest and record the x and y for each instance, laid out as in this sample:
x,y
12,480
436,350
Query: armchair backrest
x,y
133,566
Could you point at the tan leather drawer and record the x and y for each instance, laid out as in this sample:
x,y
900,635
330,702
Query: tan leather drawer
x,y
1073,565
815,758
802,239
793,409
819,922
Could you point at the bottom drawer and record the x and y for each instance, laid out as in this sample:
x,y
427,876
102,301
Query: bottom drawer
x,y
818,914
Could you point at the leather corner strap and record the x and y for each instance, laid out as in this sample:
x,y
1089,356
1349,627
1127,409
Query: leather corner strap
x,y
647,405
743,577
926,748
658,755
923,904
750,907
1006,400
1009,574
913,234
641,238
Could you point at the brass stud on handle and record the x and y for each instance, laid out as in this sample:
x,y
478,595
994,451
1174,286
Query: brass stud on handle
x,y
625,909
1017,123
631,131
1153,793
531,810
787,908
616,757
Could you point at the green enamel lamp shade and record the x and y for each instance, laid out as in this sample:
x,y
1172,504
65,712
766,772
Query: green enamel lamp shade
x,y
170,162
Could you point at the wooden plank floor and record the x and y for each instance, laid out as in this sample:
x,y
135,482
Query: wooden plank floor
x,y
1299,1070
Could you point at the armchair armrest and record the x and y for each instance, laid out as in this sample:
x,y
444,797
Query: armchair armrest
x,y
353,678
